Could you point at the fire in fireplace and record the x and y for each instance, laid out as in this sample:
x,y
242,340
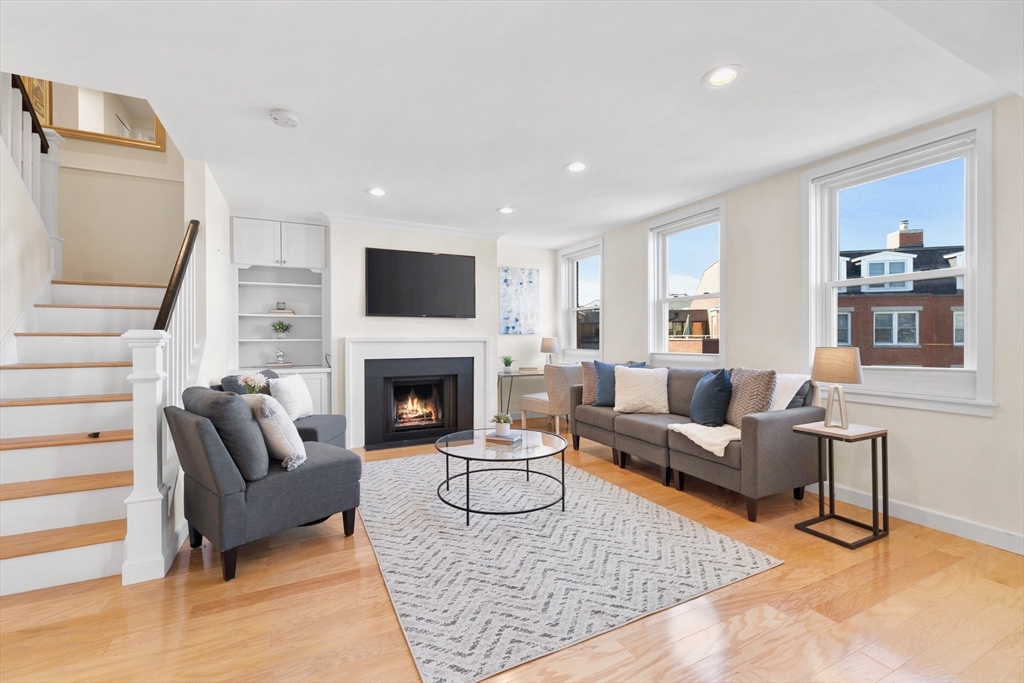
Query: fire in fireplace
x,y
417,406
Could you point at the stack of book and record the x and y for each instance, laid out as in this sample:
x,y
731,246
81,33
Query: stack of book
x,y
278,311
511,440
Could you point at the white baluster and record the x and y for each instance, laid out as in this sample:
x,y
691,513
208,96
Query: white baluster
x,y
16,123
48,182
6,113
26,150
37,171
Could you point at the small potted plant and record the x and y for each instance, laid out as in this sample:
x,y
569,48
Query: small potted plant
x,y
253,381
507,361
502,424
281,328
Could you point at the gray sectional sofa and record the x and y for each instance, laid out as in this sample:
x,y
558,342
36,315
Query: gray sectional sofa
x,y
770,458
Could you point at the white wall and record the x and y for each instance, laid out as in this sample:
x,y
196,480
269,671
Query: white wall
x,y
25,257
953,469
348,284
526,348
120,212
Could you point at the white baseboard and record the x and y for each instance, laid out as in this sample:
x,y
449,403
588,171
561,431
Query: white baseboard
x,y
974,531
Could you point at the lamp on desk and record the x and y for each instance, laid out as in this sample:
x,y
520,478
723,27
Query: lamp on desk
x,y
836,366
549,345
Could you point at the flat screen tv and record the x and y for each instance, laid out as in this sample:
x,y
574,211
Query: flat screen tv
x,y
415,284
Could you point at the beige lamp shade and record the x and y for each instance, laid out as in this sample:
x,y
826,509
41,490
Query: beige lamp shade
x,y
837,365
549,345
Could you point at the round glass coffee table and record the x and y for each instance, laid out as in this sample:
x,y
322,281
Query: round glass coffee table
x,y
472,446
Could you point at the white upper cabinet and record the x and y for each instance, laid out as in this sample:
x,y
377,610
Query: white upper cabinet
x,y
303,246
272,243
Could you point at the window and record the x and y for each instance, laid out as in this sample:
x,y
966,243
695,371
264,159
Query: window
x,y
582,296
899,238
685,289
843,329
896,328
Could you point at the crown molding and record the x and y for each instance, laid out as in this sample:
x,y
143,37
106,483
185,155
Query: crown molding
x,y
368,222
305,219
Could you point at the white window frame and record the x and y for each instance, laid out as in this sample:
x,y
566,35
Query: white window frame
x,y
658,231
958,311
849,327
894,317
886,258
967,390
567,258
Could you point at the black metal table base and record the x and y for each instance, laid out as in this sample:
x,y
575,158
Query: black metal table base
x,y
449,478
877,531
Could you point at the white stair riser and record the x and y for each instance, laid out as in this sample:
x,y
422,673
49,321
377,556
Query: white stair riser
x,y
24,515
72,349
32,572
93,319
46,382
107,296
64,419
32,464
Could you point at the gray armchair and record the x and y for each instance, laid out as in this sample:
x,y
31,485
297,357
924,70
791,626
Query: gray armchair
x,y
234,496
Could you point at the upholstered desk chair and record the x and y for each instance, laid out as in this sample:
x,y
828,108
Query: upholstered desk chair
x,y
555,401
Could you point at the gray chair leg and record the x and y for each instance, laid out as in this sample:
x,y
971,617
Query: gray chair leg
x,y
752,509
195,539
228,560
348,517
575,442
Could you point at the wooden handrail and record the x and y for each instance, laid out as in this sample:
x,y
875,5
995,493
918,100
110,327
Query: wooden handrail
x,y
26,105
163,318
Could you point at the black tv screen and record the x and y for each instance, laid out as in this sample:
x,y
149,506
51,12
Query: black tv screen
x,y
415,284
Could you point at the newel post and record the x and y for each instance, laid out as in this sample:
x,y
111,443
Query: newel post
x,y
148,504
48,189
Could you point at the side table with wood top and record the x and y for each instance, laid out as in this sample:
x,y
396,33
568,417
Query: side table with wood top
x,y
852,434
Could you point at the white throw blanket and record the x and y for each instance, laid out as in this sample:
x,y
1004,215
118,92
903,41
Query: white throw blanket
x,y
714,439
786,387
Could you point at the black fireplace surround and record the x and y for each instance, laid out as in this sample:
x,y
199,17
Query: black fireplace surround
x,y
410,401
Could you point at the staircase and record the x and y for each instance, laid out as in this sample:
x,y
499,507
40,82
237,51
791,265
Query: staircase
x,y
63,491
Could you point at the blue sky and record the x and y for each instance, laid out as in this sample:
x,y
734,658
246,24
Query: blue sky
x,y
931,198
588,287
690,252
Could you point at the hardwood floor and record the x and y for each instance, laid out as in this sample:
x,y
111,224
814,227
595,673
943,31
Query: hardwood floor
x,y
310,605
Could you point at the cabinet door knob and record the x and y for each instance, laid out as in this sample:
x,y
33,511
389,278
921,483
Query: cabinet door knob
x,y
284,262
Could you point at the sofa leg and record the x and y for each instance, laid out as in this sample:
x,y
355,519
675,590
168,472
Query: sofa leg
x,y
666,476
228,560
798,493
679,480
195,539
617,457
575,442
752,509
348,517
623,459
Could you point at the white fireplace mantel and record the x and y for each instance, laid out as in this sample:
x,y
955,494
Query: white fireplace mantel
x,y
360,349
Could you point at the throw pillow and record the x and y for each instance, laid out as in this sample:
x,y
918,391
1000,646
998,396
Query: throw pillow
x,y
283,440
589,382
291,391
752,392
800,398
235,424
710,402
231,383
787,387
606,382
641,390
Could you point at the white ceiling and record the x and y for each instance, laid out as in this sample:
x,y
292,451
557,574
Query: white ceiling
x,y
457,109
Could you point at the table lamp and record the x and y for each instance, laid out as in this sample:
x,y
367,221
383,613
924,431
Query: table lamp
x,y
549,345
836,366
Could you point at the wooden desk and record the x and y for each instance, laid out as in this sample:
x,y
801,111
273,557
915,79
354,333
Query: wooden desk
x,y
851,434
512,378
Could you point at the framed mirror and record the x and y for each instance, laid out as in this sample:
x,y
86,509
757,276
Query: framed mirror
x,y
95,115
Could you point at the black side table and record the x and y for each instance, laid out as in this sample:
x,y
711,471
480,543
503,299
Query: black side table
x,y
851,434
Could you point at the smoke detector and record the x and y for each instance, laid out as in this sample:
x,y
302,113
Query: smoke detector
x,y
285,119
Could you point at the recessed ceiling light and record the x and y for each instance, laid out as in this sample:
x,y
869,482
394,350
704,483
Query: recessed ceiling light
x,y
506,209
376,192
721,76
575,167
285,119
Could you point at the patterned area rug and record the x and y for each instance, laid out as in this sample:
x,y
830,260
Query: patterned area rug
x,y
476,600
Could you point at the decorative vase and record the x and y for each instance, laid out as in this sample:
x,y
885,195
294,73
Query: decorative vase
x,y
280,305
502,428
281,335
508,369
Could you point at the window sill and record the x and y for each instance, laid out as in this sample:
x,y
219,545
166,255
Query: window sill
x,y
685,360
941,404
896,346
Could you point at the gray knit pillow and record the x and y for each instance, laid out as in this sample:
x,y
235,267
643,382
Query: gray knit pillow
x,y
589,382
752,392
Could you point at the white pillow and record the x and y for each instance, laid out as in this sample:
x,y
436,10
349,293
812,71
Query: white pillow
x,y
283,440
292,392
641,390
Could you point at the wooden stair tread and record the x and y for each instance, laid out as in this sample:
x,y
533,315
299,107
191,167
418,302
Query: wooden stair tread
x,y
57,366
50,540
68,334
107,284
53,487
100,306
51,440
63,400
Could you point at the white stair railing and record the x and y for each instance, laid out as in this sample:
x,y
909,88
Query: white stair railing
x,y
165,360
34,151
